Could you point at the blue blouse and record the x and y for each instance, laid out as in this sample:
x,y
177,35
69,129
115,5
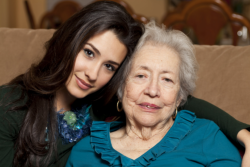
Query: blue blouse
x,y
191,142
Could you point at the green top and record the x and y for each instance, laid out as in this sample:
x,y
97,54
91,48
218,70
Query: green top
x,y
11,122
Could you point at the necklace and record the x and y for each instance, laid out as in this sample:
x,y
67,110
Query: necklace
x,y
75,124
72,125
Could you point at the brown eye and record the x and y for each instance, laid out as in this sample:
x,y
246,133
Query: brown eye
x,y
88,53
168,80
110,67
140,76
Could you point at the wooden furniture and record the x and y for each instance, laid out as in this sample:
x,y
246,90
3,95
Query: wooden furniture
x,y
65,9
62,11
137,17
59,14
206,18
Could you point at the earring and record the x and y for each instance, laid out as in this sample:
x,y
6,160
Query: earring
x,y
174,115
117,107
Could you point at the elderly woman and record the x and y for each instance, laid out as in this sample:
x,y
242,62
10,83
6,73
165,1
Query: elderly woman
x,y
159,78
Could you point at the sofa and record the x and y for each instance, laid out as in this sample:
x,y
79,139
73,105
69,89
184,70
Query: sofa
x,y
223,76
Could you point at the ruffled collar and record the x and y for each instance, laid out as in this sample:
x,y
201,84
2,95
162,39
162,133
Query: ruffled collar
x,y
100,140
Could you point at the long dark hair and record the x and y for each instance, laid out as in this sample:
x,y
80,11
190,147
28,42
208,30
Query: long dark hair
x,y
40,83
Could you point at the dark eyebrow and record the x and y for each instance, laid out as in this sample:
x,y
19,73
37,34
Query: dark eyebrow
x,y
148,69
114,63
94,48
97,51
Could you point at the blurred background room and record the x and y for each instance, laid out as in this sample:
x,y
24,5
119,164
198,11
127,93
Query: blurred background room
x,y
226,30
218,28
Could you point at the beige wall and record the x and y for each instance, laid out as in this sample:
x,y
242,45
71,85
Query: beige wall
x,y
13,14
153,9
37,6
4,17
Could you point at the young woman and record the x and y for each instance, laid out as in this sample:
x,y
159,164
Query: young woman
x,y
44,111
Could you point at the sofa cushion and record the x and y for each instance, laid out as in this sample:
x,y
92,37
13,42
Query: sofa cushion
x,y
224,78
19,48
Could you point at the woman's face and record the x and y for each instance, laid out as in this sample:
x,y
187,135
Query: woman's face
x,y
95,64
151,90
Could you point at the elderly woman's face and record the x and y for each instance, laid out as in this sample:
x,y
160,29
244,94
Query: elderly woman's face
x,y
151,90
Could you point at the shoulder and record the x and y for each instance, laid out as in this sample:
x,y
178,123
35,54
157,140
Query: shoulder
x,y
9,98
216,146
213,138
9,88
82,146
81,150
83,154
197,126
96,148
190,126
206,140
10,121
98,129
204,128
205,124
9,93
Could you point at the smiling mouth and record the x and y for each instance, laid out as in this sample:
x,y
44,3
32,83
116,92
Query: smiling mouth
x,y
149,106
82,84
